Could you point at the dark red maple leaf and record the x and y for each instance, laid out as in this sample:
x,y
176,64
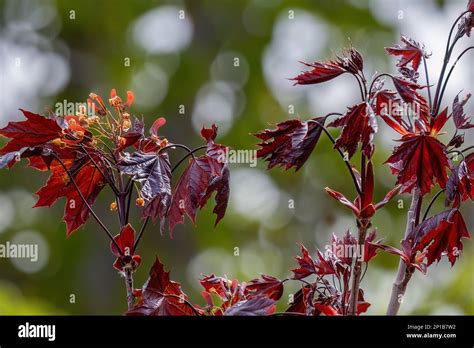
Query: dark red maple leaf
x,y
408,92
408,254
322,265
291,143
255,306
125,253
461,121
203,176
460,185
351,61
320,72
470,6
36,130
191,189
340,246
302,301
440,235
421,157
153,172
385,102
266,285
358,126
411,52
162,296
370,251
89,180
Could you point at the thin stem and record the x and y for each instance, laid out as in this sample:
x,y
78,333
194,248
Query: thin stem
x,y
360,83
376,78
427,81
129,191
450,72
84,200
447,56
356,276
190,153
129,286
456,152
365,271
142,229
348,165
467,148
425,215
404,274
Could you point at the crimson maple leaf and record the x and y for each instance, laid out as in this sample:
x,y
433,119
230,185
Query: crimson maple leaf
x,y
267,285
350,62
421,157
36,130
461,121
408,254
89,181
291,143
125,253
408,92
460,185
255,306
322,265
412,52
358,126
153,171
203,176
441,235
162,296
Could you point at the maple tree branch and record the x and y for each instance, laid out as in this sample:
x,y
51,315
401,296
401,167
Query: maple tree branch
x,y
84,200
356,271
347,163
129,287
404,273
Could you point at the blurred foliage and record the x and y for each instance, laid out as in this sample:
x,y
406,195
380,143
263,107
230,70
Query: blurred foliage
x,y
96,43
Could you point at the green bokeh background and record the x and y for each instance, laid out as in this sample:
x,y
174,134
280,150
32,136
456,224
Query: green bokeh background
x,y
95,44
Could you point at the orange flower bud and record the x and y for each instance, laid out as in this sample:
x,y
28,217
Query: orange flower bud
x,y
140,202
113,206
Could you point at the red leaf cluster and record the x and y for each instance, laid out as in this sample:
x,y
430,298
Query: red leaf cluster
x,y
411,52
350,62
421,158
291,143
358,126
